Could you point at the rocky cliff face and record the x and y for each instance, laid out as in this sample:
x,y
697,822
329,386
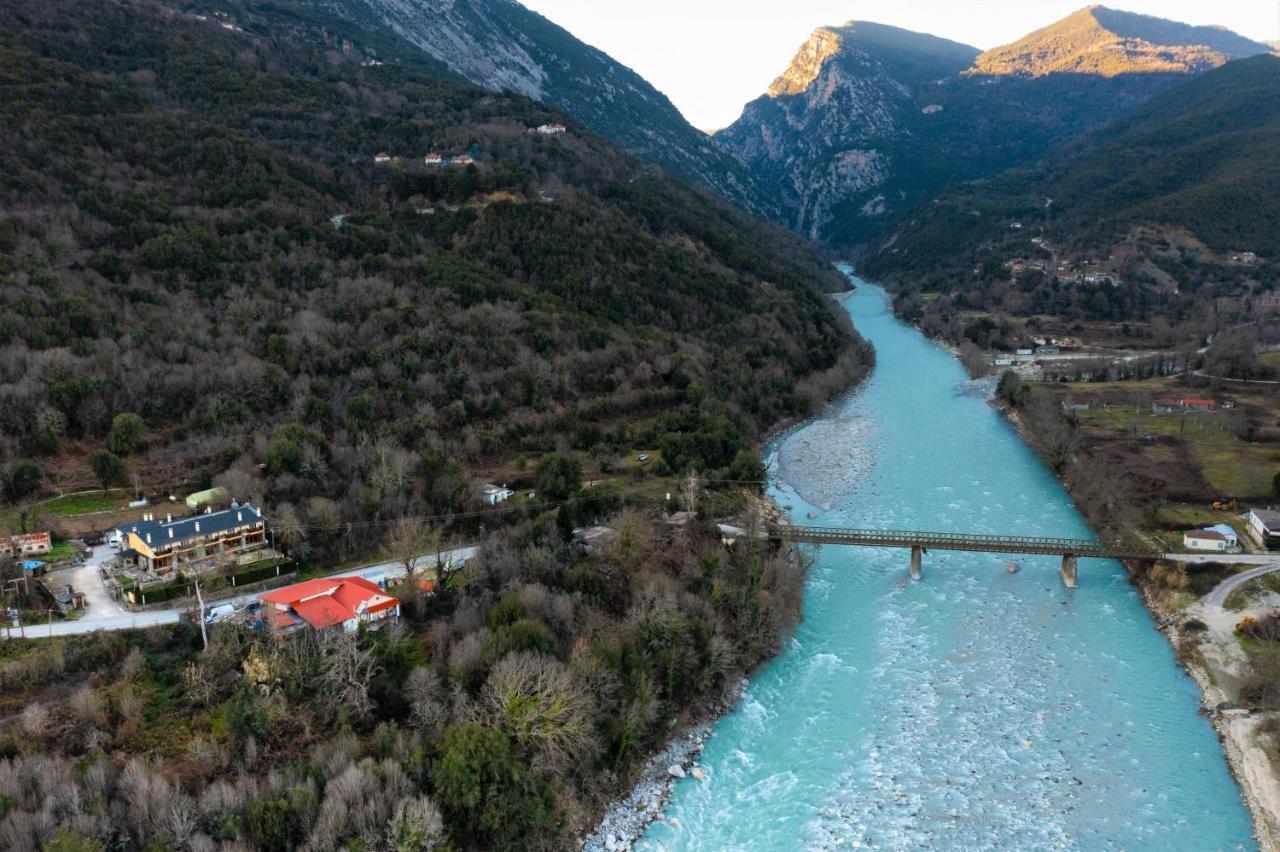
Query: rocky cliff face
x,y
869,120
824,137
502,46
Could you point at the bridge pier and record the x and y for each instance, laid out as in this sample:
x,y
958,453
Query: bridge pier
x,y
916,557
1068,571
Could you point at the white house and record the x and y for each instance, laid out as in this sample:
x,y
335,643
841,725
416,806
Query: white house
x,y
494,494
1264,526
551,129
1207,540
382,157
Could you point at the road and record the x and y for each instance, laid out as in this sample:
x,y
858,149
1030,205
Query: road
x,y
1225,558
106,614
1219,594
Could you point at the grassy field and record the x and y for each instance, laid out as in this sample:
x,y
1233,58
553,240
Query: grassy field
x,y
80,504
1234,467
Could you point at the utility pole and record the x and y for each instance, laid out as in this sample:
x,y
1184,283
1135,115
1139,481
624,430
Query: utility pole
x,y
204,628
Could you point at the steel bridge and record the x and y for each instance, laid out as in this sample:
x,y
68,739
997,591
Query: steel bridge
x,y
1070,549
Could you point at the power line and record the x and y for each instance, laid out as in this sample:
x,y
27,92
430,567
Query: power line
x,y
478,513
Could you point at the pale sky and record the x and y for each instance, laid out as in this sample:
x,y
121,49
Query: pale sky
x,y
712,56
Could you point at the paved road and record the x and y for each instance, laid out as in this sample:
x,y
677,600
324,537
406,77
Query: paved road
x,y
134,621
117,619
1219,594
1225,558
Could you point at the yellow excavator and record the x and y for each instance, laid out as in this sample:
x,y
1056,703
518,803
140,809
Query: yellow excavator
x,y
1226,505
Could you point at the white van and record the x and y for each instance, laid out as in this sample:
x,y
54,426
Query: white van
x,y
218,613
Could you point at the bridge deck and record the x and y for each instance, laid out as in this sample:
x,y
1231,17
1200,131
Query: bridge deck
x,y
955,541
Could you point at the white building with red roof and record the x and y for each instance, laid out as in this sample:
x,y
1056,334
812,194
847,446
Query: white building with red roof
x,y
329,602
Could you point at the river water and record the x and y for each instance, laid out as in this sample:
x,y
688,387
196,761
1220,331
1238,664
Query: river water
x,y
977,709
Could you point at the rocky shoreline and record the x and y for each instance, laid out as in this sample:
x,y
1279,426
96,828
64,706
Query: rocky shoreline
x,y
627,818
1249,764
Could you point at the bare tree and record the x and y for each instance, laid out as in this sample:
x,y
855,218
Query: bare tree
x,y
407,542
429,700
347,669
691,489
536,700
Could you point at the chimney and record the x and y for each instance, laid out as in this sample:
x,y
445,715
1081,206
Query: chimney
x,y
239,517
148,538
168,518
170,533
197,526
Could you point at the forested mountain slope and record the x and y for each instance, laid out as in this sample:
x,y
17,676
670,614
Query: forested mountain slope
x,y
168,182
1186,187
505,47
871,125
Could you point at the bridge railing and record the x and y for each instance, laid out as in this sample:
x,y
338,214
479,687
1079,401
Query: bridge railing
x,y
955,541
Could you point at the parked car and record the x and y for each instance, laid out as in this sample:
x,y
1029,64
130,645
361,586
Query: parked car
x,y
218,613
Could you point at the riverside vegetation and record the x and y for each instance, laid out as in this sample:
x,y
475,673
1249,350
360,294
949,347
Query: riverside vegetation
x,y
501,713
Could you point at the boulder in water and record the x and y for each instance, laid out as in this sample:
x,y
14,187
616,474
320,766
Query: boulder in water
x,y
675,770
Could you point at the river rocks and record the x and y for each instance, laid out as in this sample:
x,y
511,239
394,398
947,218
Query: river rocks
x,y
629,816
698,773
805,459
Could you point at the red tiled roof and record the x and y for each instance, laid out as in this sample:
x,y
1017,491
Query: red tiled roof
x,y
1190,401
328,601
1211,535
322,612
297,591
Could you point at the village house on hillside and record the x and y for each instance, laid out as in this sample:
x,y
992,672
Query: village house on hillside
x,y
381,157
321,604
26,544
494,494
550,129
433,159
196,542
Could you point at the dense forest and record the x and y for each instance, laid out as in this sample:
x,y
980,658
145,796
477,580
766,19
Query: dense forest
x,y
1173,194
195,231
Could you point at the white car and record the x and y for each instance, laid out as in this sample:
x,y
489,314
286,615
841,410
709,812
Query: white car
x,y
218,613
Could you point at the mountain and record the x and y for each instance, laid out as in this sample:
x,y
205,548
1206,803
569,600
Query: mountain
x,y
1175,194
505,47
195,229
869,121
825,136
1106,42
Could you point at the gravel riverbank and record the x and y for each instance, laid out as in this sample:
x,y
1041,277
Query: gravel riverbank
x,y
626,820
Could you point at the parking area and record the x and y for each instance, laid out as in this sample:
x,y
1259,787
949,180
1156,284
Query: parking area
x,y
86,579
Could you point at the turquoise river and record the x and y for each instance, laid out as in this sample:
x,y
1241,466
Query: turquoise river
x,y
978,709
